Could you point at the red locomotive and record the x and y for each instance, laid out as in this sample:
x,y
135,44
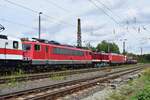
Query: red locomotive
x,y
38,52
103,59
100,59
48,53
117,58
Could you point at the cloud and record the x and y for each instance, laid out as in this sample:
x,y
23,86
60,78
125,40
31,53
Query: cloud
x,y
61,26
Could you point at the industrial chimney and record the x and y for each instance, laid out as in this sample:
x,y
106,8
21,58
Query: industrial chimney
x,y
79,42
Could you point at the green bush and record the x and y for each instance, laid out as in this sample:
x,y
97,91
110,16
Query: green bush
x,y
143,94
138,89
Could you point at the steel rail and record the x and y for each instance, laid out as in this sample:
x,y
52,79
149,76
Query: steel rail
x,y
65,91
69,83
4,80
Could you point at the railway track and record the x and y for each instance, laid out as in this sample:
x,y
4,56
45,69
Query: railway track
x,y
52,92
8,79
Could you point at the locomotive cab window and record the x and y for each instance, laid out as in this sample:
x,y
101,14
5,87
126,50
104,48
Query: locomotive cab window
x,y
37,47
90,53
15,44
26,46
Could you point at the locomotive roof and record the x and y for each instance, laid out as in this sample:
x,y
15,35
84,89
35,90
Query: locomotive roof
x,y
14,39
61,46
101,53
108,53
3,37
9,38
116,54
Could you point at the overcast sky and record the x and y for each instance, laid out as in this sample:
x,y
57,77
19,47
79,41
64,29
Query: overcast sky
x,y
111,20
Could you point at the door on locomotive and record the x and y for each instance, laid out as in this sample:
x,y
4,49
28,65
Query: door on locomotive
x,y
46,53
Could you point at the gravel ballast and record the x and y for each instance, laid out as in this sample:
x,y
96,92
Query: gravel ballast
x,y
5,89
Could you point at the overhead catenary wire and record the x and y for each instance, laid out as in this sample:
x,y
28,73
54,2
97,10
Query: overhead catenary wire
x,y
16,4
16,23
61,8
109,16
104,5
36,12
113,19
119,24
56,5
100,2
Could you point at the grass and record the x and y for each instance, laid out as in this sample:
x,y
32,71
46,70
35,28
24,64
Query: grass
x,y
58,77
13,82
138,89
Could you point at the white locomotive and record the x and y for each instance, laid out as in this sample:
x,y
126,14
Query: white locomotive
x,y
11,52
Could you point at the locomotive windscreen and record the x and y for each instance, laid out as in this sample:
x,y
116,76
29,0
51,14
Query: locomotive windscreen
x,y
26,46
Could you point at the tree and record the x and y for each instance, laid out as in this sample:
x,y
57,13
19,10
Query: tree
x,y
89,47
145,58
105,46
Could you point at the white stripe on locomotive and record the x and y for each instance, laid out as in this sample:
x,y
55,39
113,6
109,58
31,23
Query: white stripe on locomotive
x,y
11,57
8,44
